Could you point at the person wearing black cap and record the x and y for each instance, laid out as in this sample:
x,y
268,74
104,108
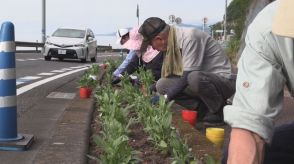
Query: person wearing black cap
x,y
195,68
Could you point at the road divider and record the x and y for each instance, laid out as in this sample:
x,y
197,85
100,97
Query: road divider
x,y
9,138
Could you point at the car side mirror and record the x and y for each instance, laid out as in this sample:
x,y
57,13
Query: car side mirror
x,y
90,38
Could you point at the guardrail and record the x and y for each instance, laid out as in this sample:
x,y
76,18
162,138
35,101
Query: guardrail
x,y
100,48
28,44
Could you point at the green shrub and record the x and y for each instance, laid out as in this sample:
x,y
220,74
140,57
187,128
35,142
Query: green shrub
x,y
232,49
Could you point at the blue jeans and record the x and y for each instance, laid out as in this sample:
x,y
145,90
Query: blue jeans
x,y
281,150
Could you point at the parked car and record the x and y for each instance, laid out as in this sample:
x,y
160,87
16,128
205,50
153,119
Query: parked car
x,y
71,43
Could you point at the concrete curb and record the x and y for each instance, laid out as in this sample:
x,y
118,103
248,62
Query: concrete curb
x,y
70,140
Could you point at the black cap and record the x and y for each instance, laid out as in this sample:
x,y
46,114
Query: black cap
x,y
150,28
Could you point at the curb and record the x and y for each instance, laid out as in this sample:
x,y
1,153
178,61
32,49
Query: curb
x,y
70,141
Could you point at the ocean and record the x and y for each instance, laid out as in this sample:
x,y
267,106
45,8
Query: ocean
x,y
108,40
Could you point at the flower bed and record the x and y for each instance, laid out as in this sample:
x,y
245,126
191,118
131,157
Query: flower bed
x,y
128,129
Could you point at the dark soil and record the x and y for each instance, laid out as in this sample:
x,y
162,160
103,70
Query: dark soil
x,y
196,139
138,140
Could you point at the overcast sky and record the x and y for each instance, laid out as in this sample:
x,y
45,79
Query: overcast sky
x,y
102,16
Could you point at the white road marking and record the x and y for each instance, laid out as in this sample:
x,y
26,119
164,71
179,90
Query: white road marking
x,y
66,69
61,95
20,60
29,78
31,59
58,143
79,66
57,71
19,82
46,74
41,82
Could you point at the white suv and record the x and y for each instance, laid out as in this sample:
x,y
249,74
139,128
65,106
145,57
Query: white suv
x,y
71,43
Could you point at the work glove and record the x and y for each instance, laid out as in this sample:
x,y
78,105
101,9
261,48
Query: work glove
x,y
135,80
115,80
156,97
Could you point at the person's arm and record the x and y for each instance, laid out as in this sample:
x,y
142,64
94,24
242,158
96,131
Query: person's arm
x,y
133,65
122,67
245,147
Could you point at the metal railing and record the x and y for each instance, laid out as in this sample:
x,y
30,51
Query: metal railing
x,y
28,44
100,48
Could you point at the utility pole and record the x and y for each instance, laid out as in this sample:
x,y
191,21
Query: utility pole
x,y
225,21
43,22
138,14
204,23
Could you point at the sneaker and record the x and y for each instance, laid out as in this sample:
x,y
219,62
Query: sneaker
x,y
210,120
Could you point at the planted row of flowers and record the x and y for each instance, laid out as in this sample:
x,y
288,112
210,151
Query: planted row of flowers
x,y
114,108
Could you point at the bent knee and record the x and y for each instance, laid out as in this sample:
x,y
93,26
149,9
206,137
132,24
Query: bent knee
x,y
194,79
160,86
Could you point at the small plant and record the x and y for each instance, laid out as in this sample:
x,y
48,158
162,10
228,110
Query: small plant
x,y
94,70
87,82
112,65
114,142
146,77
180,149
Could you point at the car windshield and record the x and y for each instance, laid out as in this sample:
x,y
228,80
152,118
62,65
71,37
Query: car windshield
x,y
69,33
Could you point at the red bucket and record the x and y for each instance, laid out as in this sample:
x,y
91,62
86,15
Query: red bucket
x,y
189,116
85,92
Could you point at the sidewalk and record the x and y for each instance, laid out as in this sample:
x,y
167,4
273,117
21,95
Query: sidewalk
x,y
70,140
61,129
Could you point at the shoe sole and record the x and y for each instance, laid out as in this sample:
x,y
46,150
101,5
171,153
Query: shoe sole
x,y
201,126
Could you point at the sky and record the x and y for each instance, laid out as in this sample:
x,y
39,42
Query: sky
x,y
102,16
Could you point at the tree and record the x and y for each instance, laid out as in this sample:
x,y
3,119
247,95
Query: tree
x,y
236,15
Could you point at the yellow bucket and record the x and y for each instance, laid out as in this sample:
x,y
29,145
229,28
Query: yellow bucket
x,y
216,136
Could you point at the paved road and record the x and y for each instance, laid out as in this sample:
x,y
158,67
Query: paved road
x,y
38,114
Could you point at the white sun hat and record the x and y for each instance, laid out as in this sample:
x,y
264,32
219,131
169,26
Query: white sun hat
x,y
120,33
283,23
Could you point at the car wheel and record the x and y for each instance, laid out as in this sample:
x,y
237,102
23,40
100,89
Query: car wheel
x,y
93,59
86,56
83,60
47,58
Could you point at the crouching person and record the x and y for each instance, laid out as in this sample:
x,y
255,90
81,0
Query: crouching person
x,y
150,59
195,72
